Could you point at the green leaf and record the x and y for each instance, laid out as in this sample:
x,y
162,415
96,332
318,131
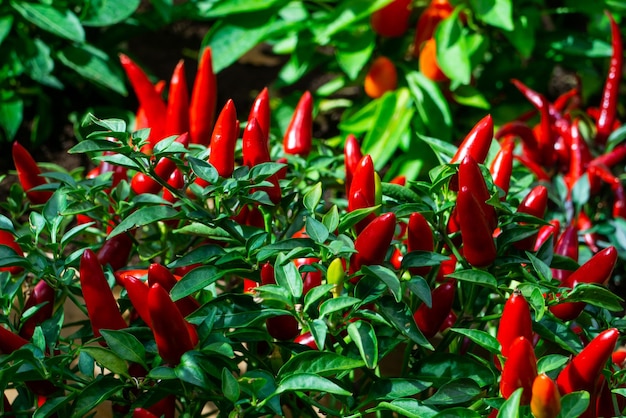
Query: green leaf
x,y
337,304
98,391
418,286
316,230
400,193
331,219
452,50
94,65
510,407
108,359
288,277
423,259
233,36
386,276
315,294
458,412
343,17
395,388
481,338
11,115
203,170
354,51
196,279
542,269
410,408
230,386
479,277
431,105
312,198
190,370
144,216
125,345
391,121
441,368
581,45
219,8
39,64
399,315
64,24
523,34
51,406
595,295
6,22
309,381
551,362
364,336
322,363
108,12
498,13
455,392
470,96
574,404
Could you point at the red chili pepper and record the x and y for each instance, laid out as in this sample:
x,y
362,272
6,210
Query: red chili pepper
x,y
373,242
392,20
10,341
569,100
101,306
310,279
165,408
515,322
352,155
536,169
567,246
520,370
362,192
261,111
399,180
436,11
203,101
583,223
429,320
546,231
610,94
446,267
306,339
419,238
583,371
255,151
525,133
177,120
479,248
597,269
471,176
579,156
449,321
168,326
545,136
149,100
137,291
42,294
29,175
535,203
158,273
619,202
616,155
116,251
177,181
142,183
546,400
143,413
396,259
224,139
299,134
141,120
8,239
502,166
280,327
477,142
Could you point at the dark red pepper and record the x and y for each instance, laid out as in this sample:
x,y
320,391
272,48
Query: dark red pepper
x,y
392,20
177,119
429,320
306,339
471,177
143,413
169,328
310,279
583,223
299,134
479,248
137,291
29,174
224,139
520,370
567,245
203,101
141,120
477,142
419,237
280,327
177,181
373,242
255,151
8,239
158,273
101,305
515,322
502,166
115,251
362,192
610,94
535,203
261,112
42,293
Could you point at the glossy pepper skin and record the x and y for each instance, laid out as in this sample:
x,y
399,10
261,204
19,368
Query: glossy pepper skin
x,y
255,151
351,156
419,237
28,173
582,372
535,203
203,100
373,242
224,139
150,101
471,176
306,339
310,279
429,320
380,78
392,20
8,239
168,326
567,245
42,293
177,119
520,370
143,413
479,248
137,291
101,305
158,273
280,327
501,167
610,93
597,269
362,192
546,400
477,142
260,111
299,134
115,251
515,322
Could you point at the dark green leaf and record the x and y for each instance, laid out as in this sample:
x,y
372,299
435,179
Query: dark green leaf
x,y
203,170
399,315
479,277
386,276
51,406
288,277
322,363
94,65
574,404
98,391
337,304
422,259
364,336
581,45
431,105
218,8
312,198
189,370
543,270
595,295
551,362
144,216
481,338
108,359
444,367
418,286
64,24
455,392
315,294
510,407
498,13
316,230
395,388
11,115
108,12
309,381
196,279
6,22
230,386
125,345
457,412
452,50
331,219
410,408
